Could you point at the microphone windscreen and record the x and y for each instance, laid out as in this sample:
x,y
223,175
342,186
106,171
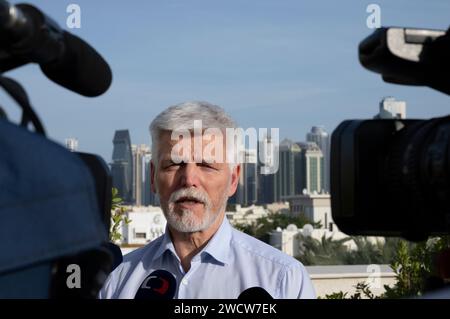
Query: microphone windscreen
x,y
255,293
159,285
81,69
116,253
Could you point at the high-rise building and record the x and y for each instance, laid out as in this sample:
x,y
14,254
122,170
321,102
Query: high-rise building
x,y
247,191
321,138
312,168
149,198
390,108
274,187
285,178
301,168
71,144
268,153
122,165
139,151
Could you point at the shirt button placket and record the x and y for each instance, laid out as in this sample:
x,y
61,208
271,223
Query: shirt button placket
x,y
183,288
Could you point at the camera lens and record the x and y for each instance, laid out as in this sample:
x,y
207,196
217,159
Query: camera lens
x,y
417,173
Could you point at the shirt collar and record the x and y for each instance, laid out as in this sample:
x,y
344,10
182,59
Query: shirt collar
x,y
218,247
166,244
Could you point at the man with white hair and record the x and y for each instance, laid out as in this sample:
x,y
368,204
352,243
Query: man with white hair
x,y
207,257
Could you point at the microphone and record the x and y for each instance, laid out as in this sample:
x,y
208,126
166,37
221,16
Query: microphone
x,y
28,35
159,285
116,253
255,293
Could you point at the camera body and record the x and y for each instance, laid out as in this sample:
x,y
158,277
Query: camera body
x,y
391,177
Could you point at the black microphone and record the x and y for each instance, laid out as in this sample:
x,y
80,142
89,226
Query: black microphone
x,y
159,285
255,293
116,253
28,35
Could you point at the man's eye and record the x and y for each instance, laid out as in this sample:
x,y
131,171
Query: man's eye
x,y
206,165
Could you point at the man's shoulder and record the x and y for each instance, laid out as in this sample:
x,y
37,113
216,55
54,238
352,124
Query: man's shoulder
x,y
139,255
261,250
119,276
146,251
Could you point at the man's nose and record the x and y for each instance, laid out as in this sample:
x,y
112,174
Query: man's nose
x,y
189,175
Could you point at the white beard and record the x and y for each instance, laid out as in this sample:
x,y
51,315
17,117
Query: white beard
x,y
186,221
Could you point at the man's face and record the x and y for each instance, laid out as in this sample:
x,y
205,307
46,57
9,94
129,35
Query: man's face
x,y
192,195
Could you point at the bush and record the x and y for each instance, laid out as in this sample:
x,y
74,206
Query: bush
x,y
118,217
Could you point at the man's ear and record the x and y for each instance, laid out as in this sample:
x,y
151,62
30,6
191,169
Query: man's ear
x,y
152,177
235,174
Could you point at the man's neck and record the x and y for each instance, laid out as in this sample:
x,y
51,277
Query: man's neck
x,y
187,245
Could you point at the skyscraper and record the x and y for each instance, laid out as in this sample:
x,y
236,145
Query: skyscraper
x,y
149,198
122,165
285,178
319,136
247,191
268,152
275,187
312,172
139,151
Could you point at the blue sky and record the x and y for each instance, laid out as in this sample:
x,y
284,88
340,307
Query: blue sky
x,y
270,63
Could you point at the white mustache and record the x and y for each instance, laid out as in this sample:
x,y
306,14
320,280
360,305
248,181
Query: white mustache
x,y
190,193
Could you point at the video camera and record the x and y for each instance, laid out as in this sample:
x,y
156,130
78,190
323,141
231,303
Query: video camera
x,y
391,177
55,205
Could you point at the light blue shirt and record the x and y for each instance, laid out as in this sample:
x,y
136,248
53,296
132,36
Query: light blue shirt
x,y
230,263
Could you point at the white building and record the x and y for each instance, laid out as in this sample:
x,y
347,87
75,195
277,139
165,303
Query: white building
x,y
246,215
278,207
316,207
71,144
147,223
289,240
390,108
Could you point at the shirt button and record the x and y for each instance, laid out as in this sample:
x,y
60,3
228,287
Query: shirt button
x,y
184,281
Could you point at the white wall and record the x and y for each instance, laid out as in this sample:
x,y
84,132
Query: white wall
x,y
147,224
332,279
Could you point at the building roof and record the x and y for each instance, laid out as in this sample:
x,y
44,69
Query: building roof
x,y
121,135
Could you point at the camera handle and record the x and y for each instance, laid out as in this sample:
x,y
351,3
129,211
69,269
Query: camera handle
x,y
17,92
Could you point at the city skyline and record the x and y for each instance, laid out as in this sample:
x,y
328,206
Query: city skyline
x,y
301,169
269,64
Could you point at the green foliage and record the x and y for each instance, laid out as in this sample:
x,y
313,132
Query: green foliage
x,y
368,252
362,290
118,217
324,252
335,295
415,267
328,251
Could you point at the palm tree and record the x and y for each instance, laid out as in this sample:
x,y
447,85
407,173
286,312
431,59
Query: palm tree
x,y
324,252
